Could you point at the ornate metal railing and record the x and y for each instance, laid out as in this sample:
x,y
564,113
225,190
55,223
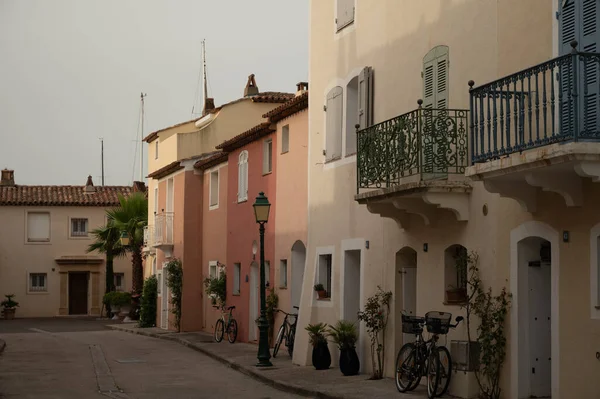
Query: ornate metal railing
x,y
555,101
163,229
428,142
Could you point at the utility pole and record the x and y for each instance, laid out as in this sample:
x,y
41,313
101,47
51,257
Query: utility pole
x,y
142,96
204,75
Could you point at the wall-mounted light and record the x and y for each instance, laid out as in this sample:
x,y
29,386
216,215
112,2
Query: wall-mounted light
x,y
367,244
566,236
246,278
425,247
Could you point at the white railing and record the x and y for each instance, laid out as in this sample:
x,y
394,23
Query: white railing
x,y
163,229
149,236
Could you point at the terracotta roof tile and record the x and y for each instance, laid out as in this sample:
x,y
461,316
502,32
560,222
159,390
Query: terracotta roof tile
x,y
272,97
248,136
211,161
61,195
166,170
288,108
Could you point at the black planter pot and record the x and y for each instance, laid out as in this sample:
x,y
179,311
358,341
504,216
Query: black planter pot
x,y
321,358
349,363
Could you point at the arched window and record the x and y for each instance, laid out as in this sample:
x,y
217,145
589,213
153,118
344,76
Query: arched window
x,y
243,176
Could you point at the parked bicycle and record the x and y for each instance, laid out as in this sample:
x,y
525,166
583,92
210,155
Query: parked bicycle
x,y
287,331
425,358
228,325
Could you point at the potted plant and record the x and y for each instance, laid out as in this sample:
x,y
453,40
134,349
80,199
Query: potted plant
x,y
320,291
321,358
120,303
10,306
344,335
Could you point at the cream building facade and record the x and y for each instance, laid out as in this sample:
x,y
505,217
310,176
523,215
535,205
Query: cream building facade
x,y
45,233
436,168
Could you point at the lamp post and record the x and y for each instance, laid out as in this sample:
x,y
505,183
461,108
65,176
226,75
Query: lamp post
x,y
124,239
261,213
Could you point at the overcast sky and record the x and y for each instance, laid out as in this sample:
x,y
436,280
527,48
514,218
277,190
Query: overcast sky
x,y
71,71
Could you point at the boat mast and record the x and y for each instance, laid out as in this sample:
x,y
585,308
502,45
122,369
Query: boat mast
x,y
205,93
142,95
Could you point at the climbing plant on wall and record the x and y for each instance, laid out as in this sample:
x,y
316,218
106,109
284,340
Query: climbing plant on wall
x,y
174,271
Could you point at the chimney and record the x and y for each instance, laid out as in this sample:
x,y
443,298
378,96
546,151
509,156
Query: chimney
x,y
251,87
301,88
89,186
7,177
139,186
209,105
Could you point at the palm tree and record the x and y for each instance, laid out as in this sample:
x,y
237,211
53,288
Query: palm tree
x,y
107,242
130,219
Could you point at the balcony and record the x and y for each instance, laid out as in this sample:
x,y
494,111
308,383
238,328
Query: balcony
x,y
163,231
538,130
148,247
414,164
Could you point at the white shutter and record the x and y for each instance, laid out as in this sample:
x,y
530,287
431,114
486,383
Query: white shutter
x,y
243,176
38,226
334,124
344,13
365,97
428,84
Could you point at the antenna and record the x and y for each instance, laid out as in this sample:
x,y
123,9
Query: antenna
x,y
205,93
142,96
102,158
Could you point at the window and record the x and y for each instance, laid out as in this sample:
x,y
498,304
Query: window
x,y
237,275
435,78
324,275
170,194
38,227
119,281
344,13
267,273
37,282
283,273
156,149
155,200
159,280
267,156
214,189
333,128
455,274
285,139
243,176
79,227
154,265
212,269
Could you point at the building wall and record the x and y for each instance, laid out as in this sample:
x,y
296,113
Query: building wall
x,y
242,229
292,200
214,235
393,37
18,257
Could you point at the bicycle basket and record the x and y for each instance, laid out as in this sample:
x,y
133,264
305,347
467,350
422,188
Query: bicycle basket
x,y
411,324
438,322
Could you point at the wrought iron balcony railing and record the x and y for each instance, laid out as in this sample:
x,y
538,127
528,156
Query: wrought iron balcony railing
x,y
431,143
163,229
555,101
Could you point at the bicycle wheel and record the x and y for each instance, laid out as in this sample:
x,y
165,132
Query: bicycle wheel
x,y
219,330
445,370
279,340
290,341
406,367
232,331
433,373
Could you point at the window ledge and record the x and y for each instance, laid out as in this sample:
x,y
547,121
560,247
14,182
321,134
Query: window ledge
x,y
79,237
37,242
238,294
38,293
341,28
284,152
350,154
242,201
332,160
213,207
267,173
283,287
324,299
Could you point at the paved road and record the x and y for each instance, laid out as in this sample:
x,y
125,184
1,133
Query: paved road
x,y
81,358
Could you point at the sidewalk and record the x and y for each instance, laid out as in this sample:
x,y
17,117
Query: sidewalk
x,y
305,381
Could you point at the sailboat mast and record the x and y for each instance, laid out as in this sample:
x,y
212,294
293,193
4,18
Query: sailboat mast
x,y
142,95
205,93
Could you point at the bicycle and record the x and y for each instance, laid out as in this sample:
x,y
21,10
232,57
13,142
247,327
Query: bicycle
x,y
287,331
230,325
424,358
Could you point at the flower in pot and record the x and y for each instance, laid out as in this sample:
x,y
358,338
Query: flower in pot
x,y
121,301
321,358
10,306
344,335
320,291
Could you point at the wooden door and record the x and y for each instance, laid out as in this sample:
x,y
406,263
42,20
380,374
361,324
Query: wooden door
x,y
78,293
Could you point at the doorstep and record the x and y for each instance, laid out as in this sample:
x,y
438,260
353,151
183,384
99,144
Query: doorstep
x,y
301,380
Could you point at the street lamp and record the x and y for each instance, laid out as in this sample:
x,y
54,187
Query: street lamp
x,y
261,213
124,239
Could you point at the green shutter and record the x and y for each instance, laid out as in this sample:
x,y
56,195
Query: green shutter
x,y
435,78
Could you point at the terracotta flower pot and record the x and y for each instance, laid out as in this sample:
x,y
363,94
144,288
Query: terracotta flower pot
x,y
9,314
322,294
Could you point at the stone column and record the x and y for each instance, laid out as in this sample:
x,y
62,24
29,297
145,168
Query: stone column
x,y
96,300
64,294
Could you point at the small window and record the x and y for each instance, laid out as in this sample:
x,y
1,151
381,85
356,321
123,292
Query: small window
x,y
267,156
212,269
285,139
283,273
156,149
455,273
324,275
214,189
79,227
119,281
344,14
237,274
38,227
159,280
38,282
243,176
267,273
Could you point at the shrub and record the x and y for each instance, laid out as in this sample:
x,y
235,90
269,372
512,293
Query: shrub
x,y
148,304
175,284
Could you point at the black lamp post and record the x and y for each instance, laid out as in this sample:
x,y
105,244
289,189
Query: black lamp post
x,y
261,212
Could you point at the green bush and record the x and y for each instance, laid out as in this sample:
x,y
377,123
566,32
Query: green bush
x,y
115,298
216,289
174,271
148,304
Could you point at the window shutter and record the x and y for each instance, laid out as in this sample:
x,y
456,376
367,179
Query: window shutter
x,y
435,78
345,13
428,84
334,124
245,180
588,73
38,226
365,97
568,31
441,80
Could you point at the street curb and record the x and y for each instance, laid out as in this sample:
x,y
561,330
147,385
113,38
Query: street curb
x,y
2,345
278,384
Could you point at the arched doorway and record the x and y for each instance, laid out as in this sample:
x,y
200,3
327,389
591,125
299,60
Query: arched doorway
x,y
298,265
406,292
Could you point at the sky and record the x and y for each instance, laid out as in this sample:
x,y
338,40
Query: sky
x,y
71,72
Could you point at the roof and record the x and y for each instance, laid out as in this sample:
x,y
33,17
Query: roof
x,y
248,136
166,170
273,97
288,108
16,195
211,161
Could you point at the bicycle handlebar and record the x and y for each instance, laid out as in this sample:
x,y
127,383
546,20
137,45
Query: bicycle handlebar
x,y
286,313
